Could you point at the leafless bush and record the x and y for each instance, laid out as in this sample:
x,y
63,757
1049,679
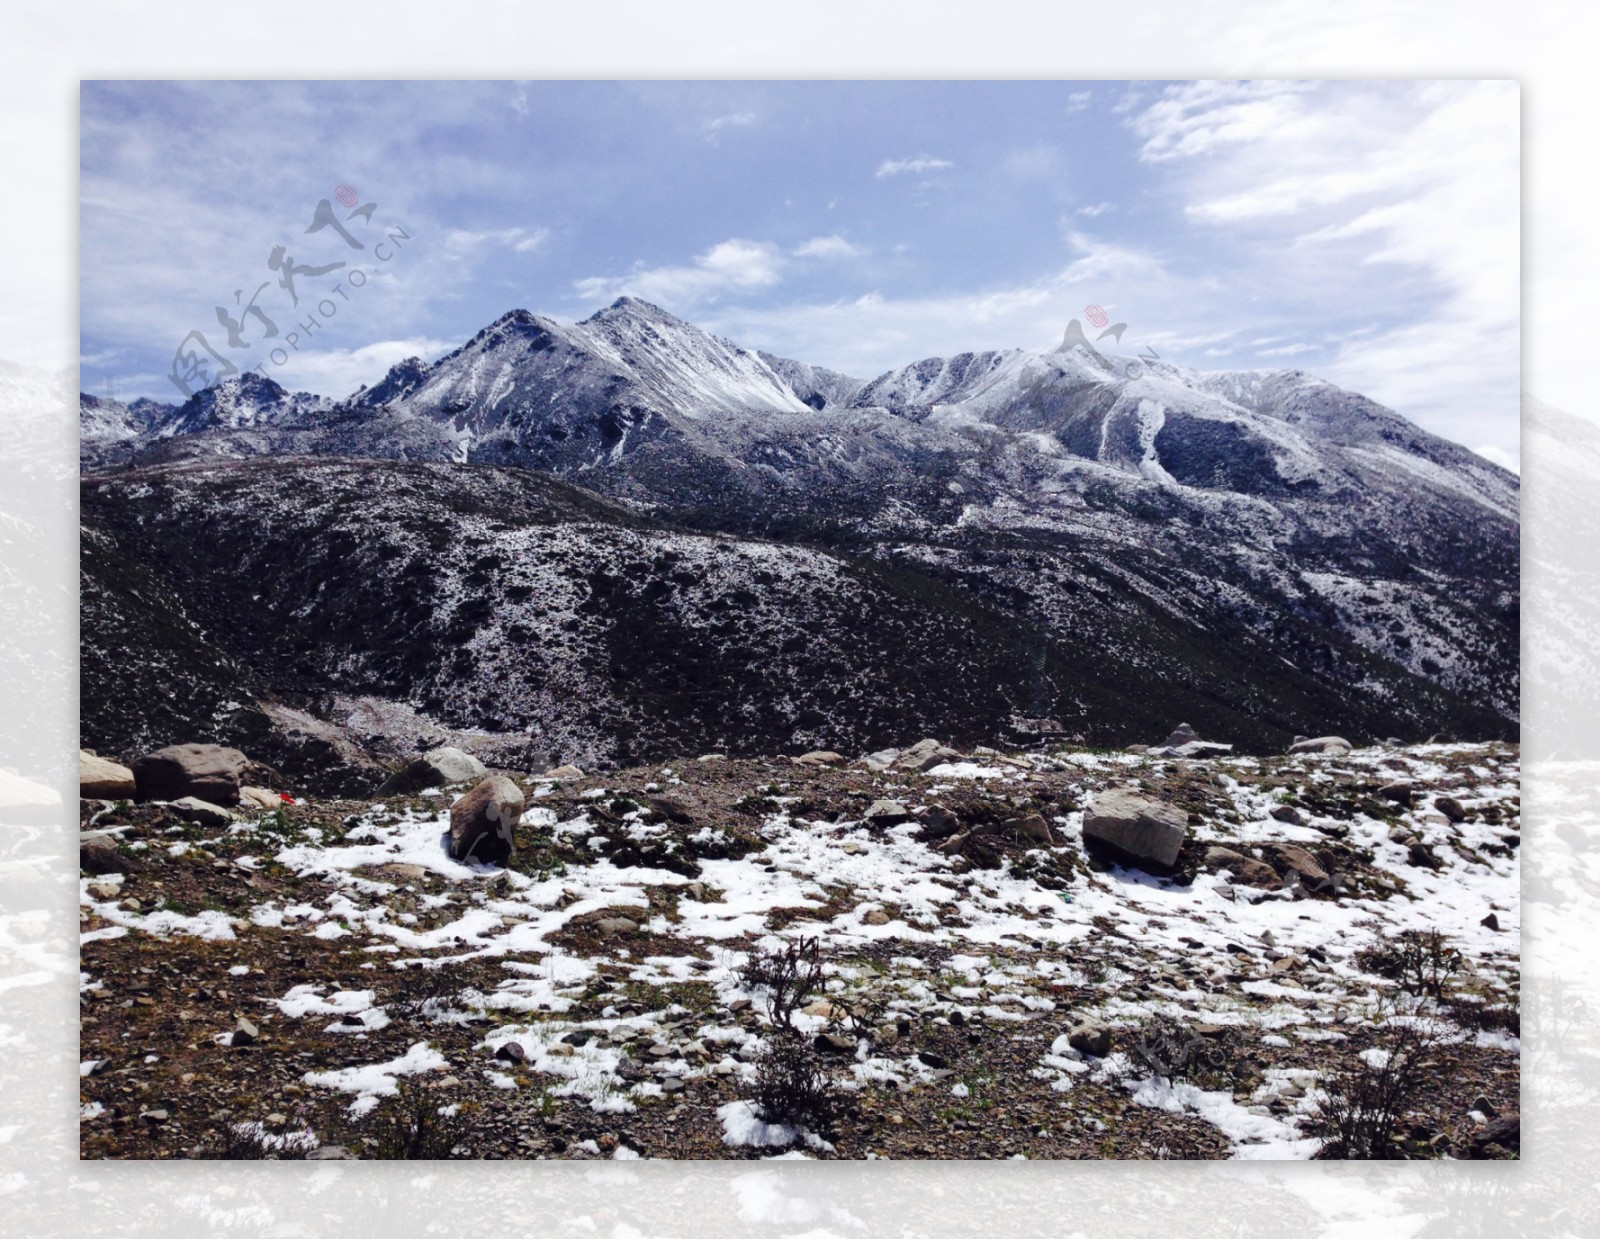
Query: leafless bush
x,y
252,1142
793,1085
1364,1105
413,1126
788,976
1421,961
1174,1051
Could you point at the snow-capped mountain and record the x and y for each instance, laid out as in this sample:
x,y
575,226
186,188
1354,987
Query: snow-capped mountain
x,y
1296,556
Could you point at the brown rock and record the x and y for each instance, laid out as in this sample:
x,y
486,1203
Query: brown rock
x,y
1291,857
99,855
483,821
1247,870
1450,808
212,773
103,779
1033,828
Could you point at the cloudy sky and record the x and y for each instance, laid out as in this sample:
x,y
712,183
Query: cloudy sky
x,y
1367,232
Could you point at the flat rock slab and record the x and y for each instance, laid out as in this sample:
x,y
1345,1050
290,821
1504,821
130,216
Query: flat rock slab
x,y
104,779
1334,746
1147,831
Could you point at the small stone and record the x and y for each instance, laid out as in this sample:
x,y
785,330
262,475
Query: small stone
x,y
1289,814
330,1153
1491,921
877,917
570,772
835,1043
937,822
157,1116
1090,1038
245,1032
933,1059
1450,808
202,813
277,1119
616,925
510,1052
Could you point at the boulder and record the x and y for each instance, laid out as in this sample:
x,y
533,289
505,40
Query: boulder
x,y
1450,808
1148,831
617,925
1090,1038
880,760
1196,749
1032,828
1247,870
482,821
98,855
821,757
203,813
1181,735
1333,746
563,772
924,755
937,822
434,769
212,773
1288,814
885,814
1292,858
100,778
1400,792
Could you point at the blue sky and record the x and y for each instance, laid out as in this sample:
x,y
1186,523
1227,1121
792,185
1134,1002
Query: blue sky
x,y
1366,232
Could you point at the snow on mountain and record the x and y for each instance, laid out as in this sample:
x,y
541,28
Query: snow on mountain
x,y
1299,556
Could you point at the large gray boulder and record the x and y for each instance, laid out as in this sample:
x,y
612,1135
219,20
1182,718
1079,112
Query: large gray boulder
x,y
1334,746
434,769
483,821
925,755
104,779
211,773
1144,830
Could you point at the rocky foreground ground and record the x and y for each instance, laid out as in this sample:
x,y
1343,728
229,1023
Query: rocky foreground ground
x,y
922,954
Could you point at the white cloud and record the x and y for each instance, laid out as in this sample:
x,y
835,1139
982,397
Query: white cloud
x,y
833,246
1501,457
733,120
731,266
1401,196
519,240
1097,210
922,163
1078,100
339,372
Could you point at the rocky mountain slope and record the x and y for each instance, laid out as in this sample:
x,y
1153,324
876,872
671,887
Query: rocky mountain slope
x,y
1066,535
